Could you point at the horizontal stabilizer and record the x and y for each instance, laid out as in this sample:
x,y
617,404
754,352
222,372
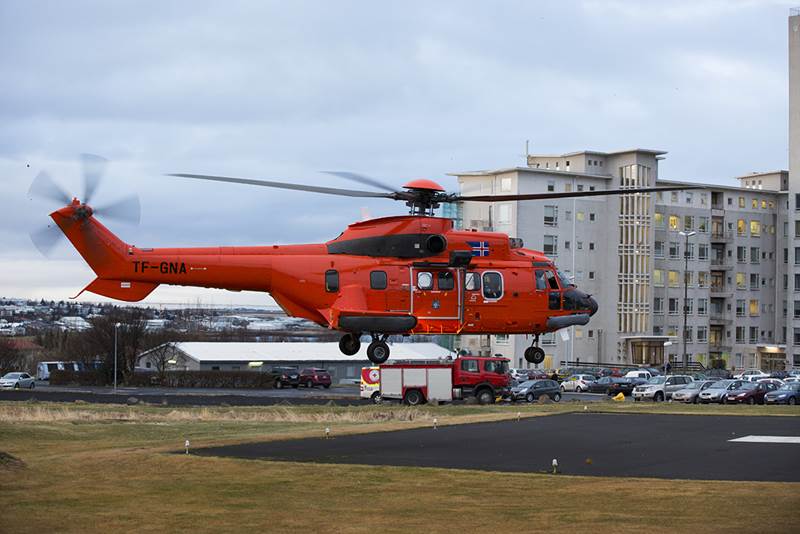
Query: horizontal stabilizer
x,y
121,290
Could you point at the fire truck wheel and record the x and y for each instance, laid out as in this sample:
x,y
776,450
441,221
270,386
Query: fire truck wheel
x,y
534,355
378,352
485,396
350,344
376,397
413,397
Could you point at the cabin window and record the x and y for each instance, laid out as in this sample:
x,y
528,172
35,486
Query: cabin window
x,y
424,280
332,280
541,283
492,285
471,366
377,279
472,282
446,280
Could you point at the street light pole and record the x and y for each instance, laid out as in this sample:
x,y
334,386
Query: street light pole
x,y
116,327
685,293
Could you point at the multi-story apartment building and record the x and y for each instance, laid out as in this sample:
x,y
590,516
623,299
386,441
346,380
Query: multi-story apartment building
x,y
629,252
742,272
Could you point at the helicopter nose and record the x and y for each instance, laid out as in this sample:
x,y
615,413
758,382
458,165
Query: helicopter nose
x,y
592,305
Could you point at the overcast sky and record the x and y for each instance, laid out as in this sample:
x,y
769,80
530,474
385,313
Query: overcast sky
x,y
398,90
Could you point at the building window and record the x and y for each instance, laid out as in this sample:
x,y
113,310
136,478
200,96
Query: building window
x,y
551,216
591,245
702,334
551,185
688,222
740,334
658,219
702,252
753,307
658,305
755,228
501,339
754,281
673,222
741,227
673,279
755,254
702,225
591,276
741,202
658,277
702,306
741,305
579,216
591,216
673,306
741,281
659,249
504,214
550,247
741,254
674,250
702,279
505,184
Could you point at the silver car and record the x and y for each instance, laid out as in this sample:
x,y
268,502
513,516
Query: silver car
x,y
17,381
717,391
692,391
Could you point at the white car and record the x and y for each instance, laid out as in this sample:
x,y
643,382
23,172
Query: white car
x,y
660,388
639,374
577,383
751,374
17,381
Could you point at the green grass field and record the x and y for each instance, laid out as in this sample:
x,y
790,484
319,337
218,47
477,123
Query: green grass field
x,y
87,468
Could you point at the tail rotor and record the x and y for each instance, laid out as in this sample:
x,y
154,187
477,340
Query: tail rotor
x,y
127,209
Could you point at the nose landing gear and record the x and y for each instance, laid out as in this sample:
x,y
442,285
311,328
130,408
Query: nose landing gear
x,y
534,354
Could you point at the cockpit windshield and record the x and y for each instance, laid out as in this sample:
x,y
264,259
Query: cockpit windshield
x,y
564,279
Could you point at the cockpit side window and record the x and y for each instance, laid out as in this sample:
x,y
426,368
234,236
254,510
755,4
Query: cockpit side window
x,y
552,282
541,283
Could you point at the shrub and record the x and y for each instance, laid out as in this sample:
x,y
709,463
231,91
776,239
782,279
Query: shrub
x,y
81,378
204,379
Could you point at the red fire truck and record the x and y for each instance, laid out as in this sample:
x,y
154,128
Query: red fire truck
x,y
445,380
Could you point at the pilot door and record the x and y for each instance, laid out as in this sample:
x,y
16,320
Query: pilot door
x,y
436,294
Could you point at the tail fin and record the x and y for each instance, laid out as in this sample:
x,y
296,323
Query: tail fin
x,y
105,253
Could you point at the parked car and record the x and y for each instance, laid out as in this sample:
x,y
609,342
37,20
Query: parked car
x,y
718,390
518,374
639,373
749,373
661,388
286,376
789,393
313,376
691,391
720,374
779,374
775,381
625,385
602,385
17,381
531,390
791,379
577,383
536,374
749,393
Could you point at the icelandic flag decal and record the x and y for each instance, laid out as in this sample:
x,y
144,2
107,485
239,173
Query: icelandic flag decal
x,y
479,248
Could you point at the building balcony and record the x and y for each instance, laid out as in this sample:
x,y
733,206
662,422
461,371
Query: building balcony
x,y
721,291
721,264
725,236
719,346
719,319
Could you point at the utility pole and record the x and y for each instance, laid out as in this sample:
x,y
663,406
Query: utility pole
x,y
116,327
687,235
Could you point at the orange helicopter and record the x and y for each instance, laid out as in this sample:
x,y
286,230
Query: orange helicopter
x,y
402,275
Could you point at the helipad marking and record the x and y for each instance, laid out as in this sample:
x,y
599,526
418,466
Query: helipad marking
x,y
767,439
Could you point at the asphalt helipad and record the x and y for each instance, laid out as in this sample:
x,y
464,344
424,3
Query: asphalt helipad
x,y
662,446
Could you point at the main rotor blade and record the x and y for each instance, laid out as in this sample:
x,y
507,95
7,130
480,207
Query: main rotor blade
x,y
127,210
570,194
93,169
295,187
46,238
44,187
360,178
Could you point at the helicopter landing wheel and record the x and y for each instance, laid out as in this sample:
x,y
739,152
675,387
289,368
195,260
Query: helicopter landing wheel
x,y
350,344
378,352
534,355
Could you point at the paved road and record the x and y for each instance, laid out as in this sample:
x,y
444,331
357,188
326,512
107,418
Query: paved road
x,y
340,395
662,446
